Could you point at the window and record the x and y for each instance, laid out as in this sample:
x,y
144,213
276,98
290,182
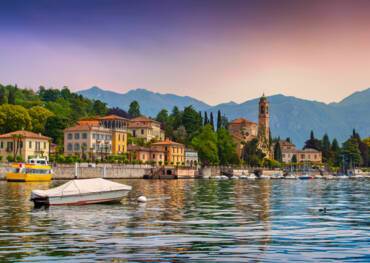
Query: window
x,y
153,156
77,147
1,145
134,133
37,146
119,137
77,136
84,145
94,135
84,135
69,147
283,155
44,145
69,136
30,144
143,157
142,131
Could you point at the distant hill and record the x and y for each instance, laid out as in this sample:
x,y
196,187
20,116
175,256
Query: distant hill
x,y
290,116
150,102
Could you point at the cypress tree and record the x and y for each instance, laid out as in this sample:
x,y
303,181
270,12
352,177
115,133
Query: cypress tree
x,y
11,96
205,118
2,95
211,120
219,120
277,152
326,153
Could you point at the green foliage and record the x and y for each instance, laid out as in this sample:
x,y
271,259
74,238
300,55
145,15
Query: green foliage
x,y
326,148
226,148
351,153
313,143
271,163
10,158
50,111
219,120
294,158
14,117
134,110
190,120
252,155
277,152
39,116
205,142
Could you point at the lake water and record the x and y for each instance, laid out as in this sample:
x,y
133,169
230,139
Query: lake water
x,y
194,220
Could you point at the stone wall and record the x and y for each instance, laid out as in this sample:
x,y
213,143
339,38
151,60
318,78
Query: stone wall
x,y
100,170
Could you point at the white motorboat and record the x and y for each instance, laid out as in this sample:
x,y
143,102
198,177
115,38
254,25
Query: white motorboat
x,y
81,192
265,176
290,176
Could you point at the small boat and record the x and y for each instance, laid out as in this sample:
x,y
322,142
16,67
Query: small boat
x,y
290,176
36,170
265,176
81,192
251,177
318,176
305,177
329,177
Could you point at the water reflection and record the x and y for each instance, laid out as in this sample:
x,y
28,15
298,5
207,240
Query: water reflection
x,y
262,220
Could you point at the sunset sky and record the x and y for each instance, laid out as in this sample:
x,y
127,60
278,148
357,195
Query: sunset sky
x,y
216,51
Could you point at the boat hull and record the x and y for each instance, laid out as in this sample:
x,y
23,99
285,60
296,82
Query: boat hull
x,y
81,199
17,177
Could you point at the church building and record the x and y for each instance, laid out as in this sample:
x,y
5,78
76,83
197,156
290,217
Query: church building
x,y
243,130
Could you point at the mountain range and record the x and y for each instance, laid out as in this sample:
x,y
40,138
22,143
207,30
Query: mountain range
x,y
289,116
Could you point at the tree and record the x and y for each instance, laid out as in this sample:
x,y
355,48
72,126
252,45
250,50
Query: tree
x,y
351,153
312,143
134,109
294,158
277,152
54,127
100,108
162,116
206,121
176,117
326,148
13,118
205,142
226,148
335,150
180,135
219,120
211,120
191,120
288,140
252,154
3,98
362,146
39,116
11,95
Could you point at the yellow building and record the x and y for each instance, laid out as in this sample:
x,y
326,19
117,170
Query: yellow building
x,y
174,153
145,128
25,144
97,137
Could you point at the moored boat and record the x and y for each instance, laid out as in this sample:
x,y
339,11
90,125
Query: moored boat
x,y
290,176
81,192
36,170
305,177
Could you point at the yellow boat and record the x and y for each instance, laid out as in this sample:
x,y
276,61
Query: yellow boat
x,y
34,171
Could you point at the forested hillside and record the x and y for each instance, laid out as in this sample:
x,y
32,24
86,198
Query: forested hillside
x,y
46,111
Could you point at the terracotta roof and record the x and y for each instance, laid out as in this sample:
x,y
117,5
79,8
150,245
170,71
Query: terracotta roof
x,y
112,117
143,119
89,122
26,134
241,120
307,150
167,142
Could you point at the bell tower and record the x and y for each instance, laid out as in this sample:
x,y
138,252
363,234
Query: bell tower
x,y
264,125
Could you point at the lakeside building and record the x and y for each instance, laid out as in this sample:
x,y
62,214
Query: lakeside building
x,y
288,150
153,155
242,131
25,144
191,157
145,128
174,153
97,137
